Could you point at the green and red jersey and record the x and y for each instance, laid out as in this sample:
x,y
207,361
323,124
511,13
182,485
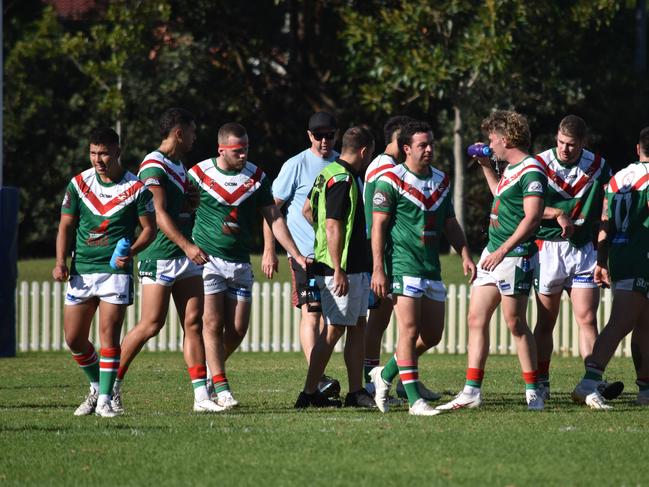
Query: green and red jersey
x,y
578,190
627,196
418,208
519,181
377,167
157,170
106,212
228,211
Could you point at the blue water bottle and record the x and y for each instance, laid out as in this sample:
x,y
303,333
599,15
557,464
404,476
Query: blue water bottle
x,y
479,150
121,249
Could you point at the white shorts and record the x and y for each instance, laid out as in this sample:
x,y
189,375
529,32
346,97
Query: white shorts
x,y
112,288
417,287
514,275
166,272
563,266
344,310
234,277
638,284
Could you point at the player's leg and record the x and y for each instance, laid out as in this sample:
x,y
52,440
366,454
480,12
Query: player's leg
x,y
77,319
482,304
585,302
514,311
188,298
628,310
213,325
377,322
547,306
640,352
111,318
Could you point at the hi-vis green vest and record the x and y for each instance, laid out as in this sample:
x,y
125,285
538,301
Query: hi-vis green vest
x,y
330,175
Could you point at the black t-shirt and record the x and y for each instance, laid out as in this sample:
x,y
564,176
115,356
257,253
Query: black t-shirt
x,y
338,205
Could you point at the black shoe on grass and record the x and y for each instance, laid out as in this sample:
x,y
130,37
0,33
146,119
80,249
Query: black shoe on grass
x,y
360,399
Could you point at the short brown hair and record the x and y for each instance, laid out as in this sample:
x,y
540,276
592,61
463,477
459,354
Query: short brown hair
x,y
231,129
355,138
573,126
511,125
644,141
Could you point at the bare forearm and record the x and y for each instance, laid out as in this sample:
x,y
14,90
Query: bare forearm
x,y
490,176
144,239
280,231
169,228
378,243
456,237
550,213
63,239
269,238
523,232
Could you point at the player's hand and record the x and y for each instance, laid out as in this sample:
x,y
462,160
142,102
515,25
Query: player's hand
x,y
340,283
122,262
196,255
601,276
566,224
302,262
60,273
269,263
380,284
470,269
492,260
483,161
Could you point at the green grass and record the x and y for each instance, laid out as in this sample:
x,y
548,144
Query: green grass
x,y
41,269
159,441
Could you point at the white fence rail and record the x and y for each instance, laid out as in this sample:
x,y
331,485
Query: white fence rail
x,y
274,324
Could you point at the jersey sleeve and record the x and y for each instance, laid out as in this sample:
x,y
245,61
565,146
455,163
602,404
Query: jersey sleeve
x,y
265,197
152,176
70,204
384,198
534,183
284,186
337,197
145,203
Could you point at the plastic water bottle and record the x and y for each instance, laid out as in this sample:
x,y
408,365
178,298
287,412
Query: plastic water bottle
x,y
121,250
479,150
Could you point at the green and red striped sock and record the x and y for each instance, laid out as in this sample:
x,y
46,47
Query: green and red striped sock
x,y
474,377
391,370
220,383
530,379
108,365
198,375
89,363
368,365
409,375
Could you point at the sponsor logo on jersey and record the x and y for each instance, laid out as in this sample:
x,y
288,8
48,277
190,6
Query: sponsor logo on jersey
x,y
152,182
97,237
525,265
523,286
145,274
504,286
104,195
230,183
518,249
230,224
380,200
166,278
413,289
535,187
71,297
121,296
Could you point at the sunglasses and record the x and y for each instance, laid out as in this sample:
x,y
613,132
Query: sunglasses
x,y
323,135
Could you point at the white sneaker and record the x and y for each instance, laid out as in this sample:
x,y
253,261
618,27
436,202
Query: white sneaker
x,y
422,408
582,389
586,393
105,410
381,389
207,406
461,401
226,400
534,400
89,404
116,402
643,398
544,391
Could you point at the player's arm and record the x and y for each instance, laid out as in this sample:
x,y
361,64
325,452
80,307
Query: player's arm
x,y
143,240
562,218
601,275
67,226
533,209
489,173
457,239
335,236
380,222
273,217
269,261
307,211
168,227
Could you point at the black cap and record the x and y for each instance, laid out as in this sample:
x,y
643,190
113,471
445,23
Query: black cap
x,y
321,120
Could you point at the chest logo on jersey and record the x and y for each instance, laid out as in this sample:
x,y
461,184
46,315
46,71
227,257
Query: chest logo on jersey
x,y
97,237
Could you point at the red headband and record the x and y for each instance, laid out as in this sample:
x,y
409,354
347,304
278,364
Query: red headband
x,y
233,147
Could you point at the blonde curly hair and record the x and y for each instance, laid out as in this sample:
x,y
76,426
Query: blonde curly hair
x,y
511,125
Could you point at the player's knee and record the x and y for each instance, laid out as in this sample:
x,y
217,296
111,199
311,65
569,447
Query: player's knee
x,y
76,343
517,326
474,322
334,332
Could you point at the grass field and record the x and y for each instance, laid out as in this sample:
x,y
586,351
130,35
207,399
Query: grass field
x,y
41,269
265,442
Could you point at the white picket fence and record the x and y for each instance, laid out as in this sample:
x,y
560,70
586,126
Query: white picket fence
x,y
274,325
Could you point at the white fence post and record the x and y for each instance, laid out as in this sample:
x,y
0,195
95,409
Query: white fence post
x,y
57,312
287,317
35,295
277,318
46,294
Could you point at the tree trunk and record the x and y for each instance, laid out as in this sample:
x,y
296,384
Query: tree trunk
x,y
459,165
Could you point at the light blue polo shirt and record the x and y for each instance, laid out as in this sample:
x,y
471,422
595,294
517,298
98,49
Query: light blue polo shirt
x,y
292,185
